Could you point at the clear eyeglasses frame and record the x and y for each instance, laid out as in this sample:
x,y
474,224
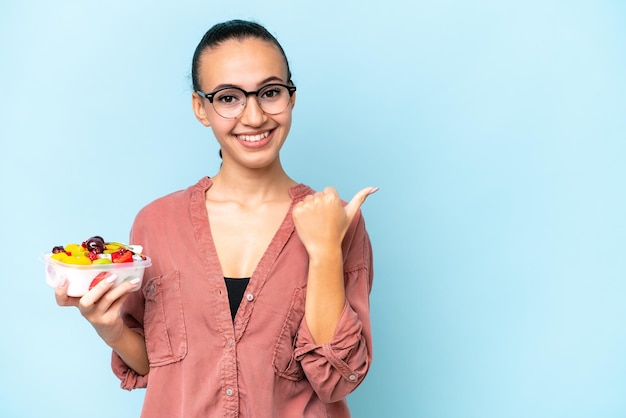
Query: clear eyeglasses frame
x,y
229,102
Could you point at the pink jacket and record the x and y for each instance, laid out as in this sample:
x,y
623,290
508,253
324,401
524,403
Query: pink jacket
x,y
266,363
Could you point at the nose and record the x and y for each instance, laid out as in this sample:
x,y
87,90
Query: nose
x,y
252,114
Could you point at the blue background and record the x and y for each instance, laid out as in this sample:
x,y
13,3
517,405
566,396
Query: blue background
x,y
495,130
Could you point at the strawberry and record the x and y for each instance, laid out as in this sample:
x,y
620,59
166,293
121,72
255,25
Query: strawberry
x,y
122,256
101,276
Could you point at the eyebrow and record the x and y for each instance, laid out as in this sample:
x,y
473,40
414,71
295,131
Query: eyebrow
x,y
263,82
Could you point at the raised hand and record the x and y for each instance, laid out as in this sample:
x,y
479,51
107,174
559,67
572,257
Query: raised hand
x,y
321,220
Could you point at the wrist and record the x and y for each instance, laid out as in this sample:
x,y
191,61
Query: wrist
x,y
115,337
324,255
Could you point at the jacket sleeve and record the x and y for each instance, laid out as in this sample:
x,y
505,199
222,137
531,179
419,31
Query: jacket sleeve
x,y
336,368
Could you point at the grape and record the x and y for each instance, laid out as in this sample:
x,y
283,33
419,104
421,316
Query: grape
x,y
58,249
95,244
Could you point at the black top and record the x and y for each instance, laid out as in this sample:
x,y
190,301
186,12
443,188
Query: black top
x,y
236,288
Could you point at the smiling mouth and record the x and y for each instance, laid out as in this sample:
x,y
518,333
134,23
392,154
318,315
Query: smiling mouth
x,y
253,138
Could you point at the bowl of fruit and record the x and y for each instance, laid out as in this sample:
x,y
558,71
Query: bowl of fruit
x,y
85,265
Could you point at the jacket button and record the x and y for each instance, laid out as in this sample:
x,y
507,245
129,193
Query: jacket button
x,y
250,297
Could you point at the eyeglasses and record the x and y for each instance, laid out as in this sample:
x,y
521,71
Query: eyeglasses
x,y
229,102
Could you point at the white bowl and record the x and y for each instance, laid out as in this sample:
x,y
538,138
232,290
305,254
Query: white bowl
x,y
79,276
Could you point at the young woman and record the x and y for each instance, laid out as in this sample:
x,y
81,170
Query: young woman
x,y
257,302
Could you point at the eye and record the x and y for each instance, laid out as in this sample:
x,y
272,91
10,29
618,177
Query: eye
x,y
229,97
272,92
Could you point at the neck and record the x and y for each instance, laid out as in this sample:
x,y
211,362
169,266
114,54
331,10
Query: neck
x,y
251,185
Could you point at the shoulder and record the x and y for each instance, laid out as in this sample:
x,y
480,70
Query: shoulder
x,y
300,191
175,202
161,206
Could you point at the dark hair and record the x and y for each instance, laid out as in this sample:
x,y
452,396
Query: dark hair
x,y
232,30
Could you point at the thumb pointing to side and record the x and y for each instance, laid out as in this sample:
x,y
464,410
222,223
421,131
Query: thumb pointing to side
x,y
353,206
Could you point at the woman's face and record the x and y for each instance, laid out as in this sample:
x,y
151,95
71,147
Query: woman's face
x,y
253,139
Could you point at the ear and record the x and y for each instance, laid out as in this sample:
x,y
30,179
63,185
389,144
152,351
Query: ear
x,y
293,99
197,104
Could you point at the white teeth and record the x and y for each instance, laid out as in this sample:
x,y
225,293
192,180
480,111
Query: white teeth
x,y
253,138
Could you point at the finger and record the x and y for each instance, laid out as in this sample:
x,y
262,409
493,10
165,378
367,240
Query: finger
x,y
60,294
353,206
94,294
126,287
116,297
112,294
306,203
116,306
329,190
